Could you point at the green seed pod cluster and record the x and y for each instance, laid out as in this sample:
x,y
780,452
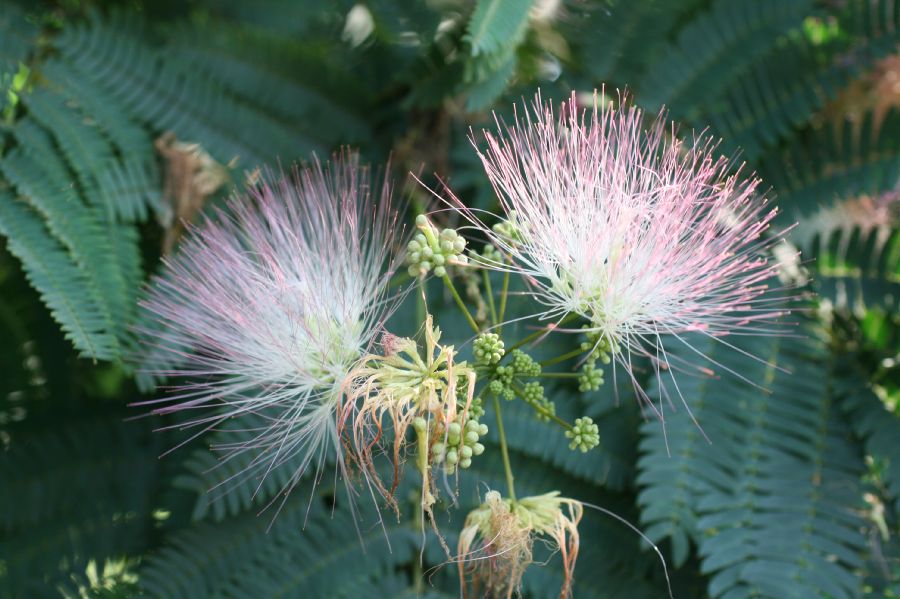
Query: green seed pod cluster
x,y
429,250
591,378
488,349
585,435
459,445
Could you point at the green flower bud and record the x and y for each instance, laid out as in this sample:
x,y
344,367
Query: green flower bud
x,y
504,374
451,457
590,379
523,364
585,435
476,410
508,228
600,347
488,349
429,250
419,424
490,254
471,437
465,463
482,430
478,449
465,452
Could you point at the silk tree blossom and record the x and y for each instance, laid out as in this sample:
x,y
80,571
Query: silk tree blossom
x,y
643,235
495,545
267,307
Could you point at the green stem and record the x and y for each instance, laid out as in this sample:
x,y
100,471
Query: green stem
x,y
490,294
562,358
420,301
460,303
504,451
418,574
504,293
399,279
527,339
559,375
538,333
540,410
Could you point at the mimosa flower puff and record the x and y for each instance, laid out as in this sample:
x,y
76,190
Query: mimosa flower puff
x,y
637,232
267,307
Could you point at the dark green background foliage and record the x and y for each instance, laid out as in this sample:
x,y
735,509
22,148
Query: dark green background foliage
x,y
796,496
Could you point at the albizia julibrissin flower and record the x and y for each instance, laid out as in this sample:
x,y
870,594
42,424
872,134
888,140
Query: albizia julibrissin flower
x,y
495,545
268,305
639,233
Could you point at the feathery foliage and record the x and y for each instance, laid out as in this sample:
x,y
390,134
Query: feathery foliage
x,y
772,508
119,126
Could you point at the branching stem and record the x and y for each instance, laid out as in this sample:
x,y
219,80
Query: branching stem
x,y
539,409
540,332
488,290
572,354
504,451
461,303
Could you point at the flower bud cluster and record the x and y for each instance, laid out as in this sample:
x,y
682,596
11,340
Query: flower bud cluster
x,y
495,545
523,364
489,255
458,443
520,365
585,435
429,250
476,409
503,383
488,349
591,378
599,348
533,394
509,229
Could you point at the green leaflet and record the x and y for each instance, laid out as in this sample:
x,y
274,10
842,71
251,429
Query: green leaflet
x,y
714,48
858,269
775,490
496,24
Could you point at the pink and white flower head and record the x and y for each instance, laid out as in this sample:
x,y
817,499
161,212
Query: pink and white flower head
x,y
624,225
267,307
